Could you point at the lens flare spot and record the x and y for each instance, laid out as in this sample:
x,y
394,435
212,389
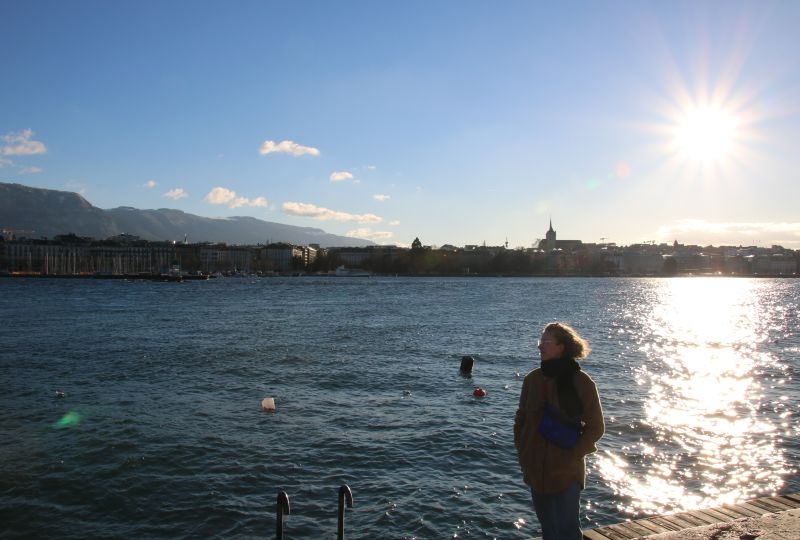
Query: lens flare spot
x,y
622,170
72,418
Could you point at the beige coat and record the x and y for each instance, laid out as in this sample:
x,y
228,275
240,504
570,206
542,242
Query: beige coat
x,y
546,467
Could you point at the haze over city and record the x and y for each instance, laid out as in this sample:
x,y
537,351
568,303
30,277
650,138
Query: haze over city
x,y
455,122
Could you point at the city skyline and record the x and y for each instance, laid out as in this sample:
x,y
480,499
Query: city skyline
x,y
454,122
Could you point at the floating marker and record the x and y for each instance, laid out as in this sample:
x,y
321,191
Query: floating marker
x,y
268,404
479,392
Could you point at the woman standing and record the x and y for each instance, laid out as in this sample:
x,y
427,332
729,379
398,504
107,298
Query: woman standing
x,y
556,474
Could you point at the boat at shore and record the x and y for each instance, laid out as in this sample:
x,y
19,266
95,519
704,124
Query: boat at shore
x,y
343,271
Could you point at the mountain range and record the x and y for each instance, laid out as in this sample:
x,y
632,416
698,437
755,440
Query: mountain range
x,y
35,213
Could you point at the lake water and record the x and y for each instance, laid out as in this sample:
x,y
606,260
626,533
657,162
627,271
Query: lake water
x,y
160,432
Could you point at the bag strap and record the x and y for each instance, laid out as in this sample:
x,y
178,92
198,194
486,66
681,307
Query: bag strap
x,y
547,401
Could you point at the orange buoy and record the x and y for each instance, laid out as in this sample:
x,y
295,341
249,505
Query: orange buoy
x,y
479,392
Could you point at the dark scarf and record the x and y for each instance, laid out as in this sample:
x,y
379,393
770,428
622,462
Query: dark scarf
x,y
564,370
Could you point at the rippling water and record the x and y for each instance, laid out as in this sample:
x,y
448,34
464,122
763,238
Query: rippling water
x,y
160,432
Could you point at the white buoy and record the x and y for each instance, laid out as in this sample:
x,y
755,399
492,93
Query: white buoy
x,y
268,404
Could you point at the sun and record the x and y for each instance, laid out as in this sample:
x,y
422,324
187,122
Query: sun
x,y
706,134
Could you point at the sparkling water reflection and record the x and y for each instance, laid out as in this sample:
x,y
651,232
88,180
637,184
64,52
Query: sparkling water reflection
x,y
160,431
709,375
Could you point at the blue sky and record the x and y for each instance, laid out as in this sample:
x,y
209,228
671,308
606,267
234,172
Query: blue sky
x,y
458,122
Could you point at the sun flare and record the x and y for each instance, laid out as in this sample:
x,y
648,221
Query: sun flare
x,y
706,134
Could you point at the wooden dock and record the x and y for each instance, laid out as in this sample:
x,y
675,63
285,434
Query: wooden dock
x,y
755,508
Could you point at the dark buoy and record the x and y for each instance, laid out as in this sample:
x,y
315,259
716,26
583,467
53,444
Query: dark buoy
x,y
466,364
479,392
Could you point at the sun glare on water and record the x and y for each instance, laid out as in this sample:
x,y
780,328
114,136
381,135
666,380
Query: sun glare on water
x,y
704,440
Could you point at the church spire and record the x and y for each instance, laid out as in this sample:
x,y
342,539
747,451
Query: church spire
x,y
550,237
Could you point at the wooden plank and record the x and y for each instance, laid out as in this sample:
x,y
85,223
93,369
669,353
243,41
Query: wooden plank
x,y
621,531
748,509
793,496
609,533
768,506
647,524
594,534
787,501
666,524
679,521
641,528
688,518
776,501
719,515
737,512
699,517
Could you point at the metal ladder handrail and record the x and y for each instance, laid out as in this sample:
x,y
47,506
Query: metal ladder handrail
x,y
283,507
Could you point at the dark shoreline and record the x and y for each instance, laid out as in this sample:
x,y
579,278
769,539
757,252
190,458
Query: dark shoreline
x,y
205,277
129,277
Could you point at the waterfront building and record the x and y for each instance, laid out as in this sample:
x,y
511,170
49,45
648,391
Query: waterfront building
x,y
125,254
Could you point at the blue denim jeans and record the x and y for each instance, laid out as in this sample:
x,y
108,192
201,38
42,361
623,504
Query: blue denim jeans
x,y
559,514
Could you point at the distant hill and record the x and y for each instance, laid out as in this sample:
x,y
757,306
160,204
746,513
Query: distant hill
x,y
34,213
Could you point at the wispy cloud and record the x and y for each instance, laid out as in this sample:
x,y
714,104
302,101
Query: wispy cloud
x,y
340,176
381,197
228,197
21,144
150,184
731,232
325,214
77,187
394,222
30,170
286,147
369,234
177,193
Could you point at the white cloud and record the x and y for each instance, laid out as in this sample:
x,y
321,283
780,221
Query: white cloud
x,y
340,176
221,195
381,197
369,234
30,170
259,201
177,193
286,147
730,233
325,214
394,222
5,162
20,144
150,184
